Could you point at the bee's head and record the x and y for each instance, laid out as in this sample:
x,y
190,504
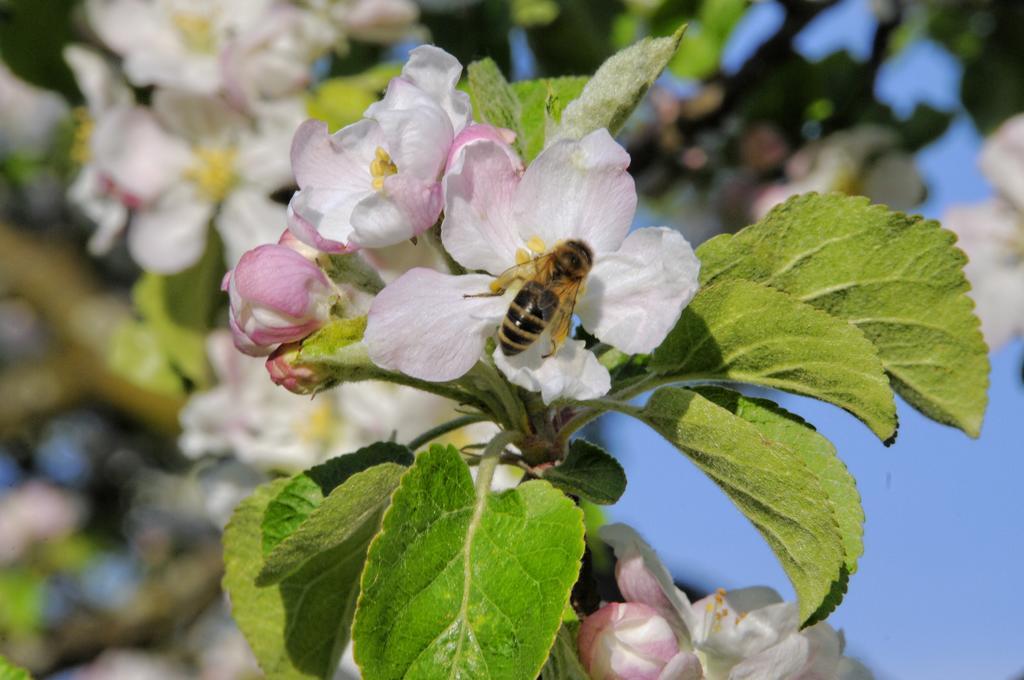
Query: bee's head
x,y
575,258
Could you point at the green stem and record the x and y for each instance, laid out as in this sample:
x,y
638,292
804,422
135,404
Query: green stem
x,y
490,459
445,428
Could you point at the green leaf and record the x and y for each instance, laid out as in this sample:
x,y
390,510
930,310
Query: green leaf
x,y
819,455
617,87
353,270
493,98
699,55
9,671
768,481
465,585
349,517
564,662
528,13
33,34
342,100
23,593
179,309
589,472
541,103
747,332
305,491
898,278
136,354
298,627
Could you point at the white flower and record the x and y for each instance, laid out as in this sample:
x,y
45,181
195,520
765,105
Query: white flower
x,y
35,512
104,92
270,428
252,48
1002,160
186,161
861,161
992,236
377,182
747,634
29,115
424,324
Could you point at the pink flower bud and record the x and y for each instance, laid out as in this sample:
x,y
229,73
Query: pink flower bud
x,y
277,296
479,132
627,641
295,377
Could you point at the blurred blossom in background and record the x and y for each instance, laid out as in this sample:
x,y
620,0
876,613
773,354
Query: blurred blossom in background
x,y
153,149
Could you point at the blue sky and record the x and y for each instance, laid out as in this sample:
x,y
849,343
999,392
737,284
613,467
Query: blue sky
x,y
938,594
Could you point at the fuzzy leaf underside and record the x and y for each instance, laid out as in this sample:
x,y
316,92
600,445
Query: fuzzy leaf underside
x,y
897,278
767,480
298,627
589,472
349,516
461,586
617,87
746,332
820,457
305,491
564,662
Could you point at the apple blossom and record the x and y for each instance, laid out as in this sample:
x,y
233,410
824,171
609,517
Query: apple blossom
x,y
91,192
743,634
186,161
864,160
277,296
267,427
434,326
1002,160
378,181
992,235
631,641
249,47
29,116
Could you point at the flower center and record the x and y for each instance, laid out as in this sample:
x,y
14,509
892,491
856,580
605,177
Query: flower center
x,y
319,427
380,167
84,124
213,172
196,31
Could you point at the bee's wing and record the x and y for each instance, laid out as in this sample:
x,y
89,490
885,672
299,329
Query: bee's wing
x,y
530,270
561,320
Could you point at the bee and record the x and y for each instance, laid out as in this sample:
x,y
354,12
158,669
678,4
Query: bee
x,y
550,285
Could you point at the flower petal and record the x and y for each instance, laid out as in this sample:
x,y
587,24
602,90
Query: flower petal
x,y
131,150
406,206
109,214
417,131
1002,160
100,85
573,373
437,73
578,189
479,230
341,160
425,327
683,666
322,217
642,577
247,219
784,660
171,235
635,296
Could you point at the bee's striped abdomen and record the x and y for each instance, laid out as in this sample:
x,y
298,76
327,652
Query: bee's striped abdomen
x,y
527,317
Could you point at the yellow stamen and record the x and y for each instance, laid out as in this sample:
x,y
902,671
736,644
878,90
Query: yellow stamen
x,y
522,256
80,152
213,172
536,244
196,32
320,424
380,167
